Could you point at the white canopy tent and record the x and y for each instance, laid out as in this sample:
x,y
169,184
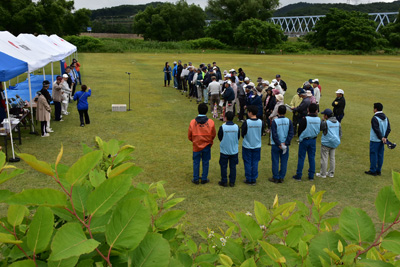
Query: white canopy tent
x,y
59,42
11,46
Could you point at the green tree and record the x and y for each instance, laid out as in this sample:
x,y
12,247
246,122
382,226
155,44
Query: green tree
x,y
391,32
170,22
236,11
221,30
345,31
256,33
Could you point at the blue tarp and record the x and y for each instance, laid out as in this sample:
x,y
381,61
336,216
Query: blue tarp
x,y
22,88
11,67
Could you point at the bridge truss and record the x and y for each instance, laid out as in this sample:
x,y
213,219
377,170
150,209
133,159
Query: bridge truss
x,y
302,25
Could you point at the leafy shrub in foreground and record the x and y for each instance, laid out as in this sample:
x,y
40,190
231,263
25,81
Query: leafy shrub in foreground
x,y
99,218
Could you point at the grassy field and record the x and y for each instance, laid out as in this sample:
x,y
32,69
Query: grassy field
x,y
158,125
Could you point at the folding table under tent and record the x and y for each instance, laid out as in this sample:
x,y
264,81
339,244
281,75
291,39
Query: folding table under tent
x,y
59,42
10,67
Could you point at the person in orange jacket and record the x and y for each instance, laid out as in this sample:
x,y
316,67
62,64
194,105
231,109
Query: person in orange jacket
x,y
201,133
78,70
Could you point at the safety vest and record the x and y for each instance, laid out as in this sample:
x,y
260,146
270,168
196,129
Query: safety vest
x,y
252,139
332,138
230,142
282,128
313,128
383,125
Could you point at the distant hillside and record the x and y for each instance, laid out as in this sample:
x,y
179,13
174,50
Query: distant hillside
x,y
120,11
306,9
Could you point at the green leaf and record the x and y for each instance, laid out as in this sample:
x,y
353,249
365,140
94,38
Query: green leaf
x,y
128,225
40,230
16,214
65,262
303,248
191,246
272,252
38,165
292,258
325,207
234,251
323,240
153,251
8,239
5,176
80,194
83,166
249,263
25,263
294,236
2,159
250,229
39,197
5,194
169,219
123,154
107,194
373,263
60,154
172,203
70,241
120,169
97,177
396,184
206,258
225,260
391,242
98,224
86,149
161,191
387,204
262,214
356,225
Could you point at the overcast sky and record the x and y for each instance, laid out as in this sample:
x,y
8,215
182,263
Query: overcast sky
x,y
96,4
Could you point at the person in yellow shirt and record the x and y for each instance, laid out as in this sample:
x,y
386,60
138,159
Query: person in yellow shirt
x,y
296,101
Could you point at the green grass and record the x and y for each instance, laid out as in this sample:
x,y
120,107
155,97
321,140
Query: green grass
x,y
158,125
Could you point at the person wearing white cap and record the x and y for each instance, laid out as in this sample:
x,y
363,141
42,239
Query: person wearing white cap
x,y
279,102
277,86
281,83
66,93
339,104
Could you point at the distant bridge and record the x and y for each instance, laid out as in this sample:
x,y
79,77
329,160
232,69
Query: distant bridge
x,y
301,25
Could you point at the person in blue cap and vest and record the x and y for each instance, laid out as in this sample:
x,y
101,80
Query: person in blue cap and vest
x,y
281,134
228,134
252,130
309,128
380,129
331,135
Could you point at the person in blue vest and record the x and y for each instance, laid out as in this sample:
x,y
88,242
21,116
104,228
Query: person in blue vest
x,y
309,128
229,135
380,129
252,130
281,134
330,140
174,74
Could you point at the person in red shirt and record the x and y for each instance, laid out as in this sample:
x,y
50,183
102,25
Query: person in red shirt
x,y
201,133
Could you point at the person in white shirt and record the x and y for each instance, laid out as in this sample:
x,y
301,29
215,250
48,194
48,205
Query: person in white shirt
x,y
277,86
317,93
184,75
66,94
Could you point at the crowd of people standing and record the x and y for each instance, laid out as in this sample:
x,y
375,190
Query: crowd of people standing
x,y
63,92
231,93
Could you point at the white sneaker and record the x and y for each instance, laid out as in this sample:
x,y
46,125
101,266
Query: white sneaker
x,y
319,175
331,175
49,130
46,135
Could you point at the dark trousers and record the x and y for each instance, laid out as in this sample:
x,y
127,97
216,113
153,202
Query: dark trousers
x,y
295,119
57,110
43,125
251,157
73,89
184,84
340,117
376,152
242,103
179,82
307,146
84,113
205,156
276,156
233,160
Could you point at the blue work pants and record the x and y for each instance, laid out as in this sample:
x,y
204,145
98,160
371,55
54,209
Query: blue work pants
x,y
233,160
307,146
205,156
251,157
376,152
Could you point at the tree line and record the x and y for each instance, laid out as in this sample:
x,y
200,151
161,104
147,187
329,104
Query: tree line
x,y
42,17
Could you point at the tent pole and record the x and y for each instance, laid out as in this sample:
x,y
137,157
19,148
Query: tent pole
x,y
52,73
13,159
31,103
44,74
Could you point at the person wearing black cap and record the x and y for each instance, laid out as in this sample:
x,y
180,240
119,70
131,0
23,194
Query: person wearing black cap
x,y
57,97
46,94
43,108
380,129
330,140
281,82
